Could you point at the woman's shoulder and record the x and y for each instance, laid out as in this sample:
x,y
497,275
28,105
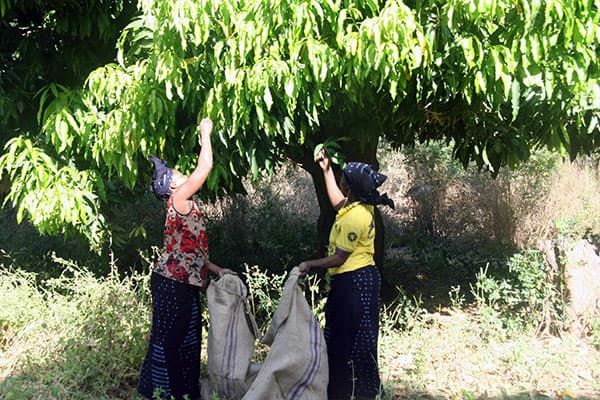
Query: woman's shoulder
x,y
359,208
357,213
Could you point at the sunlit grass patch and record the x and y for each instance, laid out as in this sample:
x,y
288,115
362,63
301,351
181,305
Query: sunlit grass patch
x,y
452,356
76,336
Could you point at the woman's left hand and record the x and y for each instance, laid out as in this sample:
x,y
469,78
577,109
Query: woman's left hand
x,y
226,271
303,267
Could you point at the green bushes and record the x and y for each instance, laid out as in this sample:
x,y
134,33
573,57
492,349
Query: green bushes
x,y
76,336
529,296
80,336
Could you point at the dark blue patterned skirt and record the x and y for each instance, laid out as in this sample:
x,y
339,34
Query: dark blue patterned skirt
x,y
351,333
171,368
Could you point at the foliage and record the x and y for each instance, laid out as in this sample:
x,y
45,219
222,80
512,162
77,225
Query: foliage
x,y
263,290
530,296
506,77
402,313
545,197
595,331
81,337
498,78
45,42
271,224
49,207
48,49
333,150
72,334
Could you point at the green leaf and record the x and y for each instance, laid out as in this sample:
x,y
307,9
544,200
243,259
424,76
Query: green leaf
x,y
515,99
317,150
593,124
480,85
267,98
253,163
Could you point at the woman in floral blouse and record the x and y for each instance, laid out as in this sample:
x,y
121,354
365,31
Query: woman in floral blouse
x,y
171,368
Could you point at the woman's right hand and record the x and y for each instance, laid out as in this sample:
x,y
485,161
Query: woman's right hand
x,y
206,126
226,271
323,160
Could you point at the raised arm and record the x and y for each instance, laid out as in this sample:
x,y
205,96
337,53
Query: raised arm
x,y
336,197
205,163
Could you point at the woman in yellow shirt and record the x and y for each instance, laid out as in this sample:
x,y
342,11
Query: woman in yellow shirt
x,y
352,310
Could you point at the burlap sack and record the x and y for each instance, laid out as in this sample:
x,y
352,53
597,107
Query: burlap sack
x,y
296,366
231,339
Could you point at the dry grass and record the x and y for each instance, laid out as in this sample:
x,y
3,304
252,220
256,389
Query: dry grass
x,y
451,357
571,202
534,202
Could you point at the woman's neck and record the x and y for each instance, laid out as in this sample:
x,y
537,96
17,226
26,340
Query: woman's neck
x,y
351,198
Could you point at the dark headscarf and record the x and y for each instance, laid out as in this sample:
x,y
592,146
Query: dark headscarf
x,y
363,180
161,179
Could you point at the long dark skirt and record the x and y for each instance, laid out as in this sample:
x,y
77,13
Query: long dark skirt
x,y
351,333
172,365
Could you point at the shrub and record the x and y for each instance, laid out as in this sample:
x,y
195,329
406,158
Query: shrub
x,y
78,334
265,289
403,313
529,296
272,226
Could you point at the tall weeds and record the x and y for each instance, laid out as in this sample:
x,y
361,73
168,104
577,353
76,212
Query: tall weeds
x,y
73,334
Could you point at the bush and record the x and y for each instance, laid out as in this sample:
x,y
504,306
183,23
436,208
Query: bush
x,y
265,289
72,335
530,296
272,226
446,199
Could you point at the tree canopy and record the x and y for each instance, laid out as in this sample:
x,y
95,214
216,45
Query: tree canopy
x,y
47,47
495,78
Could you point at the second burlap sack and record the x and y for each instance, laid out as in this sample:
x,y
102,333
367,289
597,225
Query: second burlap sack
x,y
296,366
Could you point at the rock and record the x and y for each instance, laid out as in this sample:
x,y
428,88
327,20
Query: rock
x,y
582,280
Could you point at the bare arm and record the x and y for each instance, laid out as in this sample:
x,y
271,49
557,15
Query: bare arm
x,y
335,260
333,191
198,177
217,270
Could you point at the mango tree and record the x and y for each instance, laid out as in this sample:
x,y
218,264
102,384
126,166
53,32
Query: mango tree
x,y
48,46
495,78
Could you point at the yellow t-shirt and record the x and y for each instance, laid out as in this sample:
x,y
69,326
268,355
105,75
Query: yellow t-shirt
x,y
353,231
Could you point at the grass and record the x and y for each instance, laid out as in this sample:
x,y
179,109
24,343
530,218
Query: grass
x,y
73,337
451,356
77,330
82,337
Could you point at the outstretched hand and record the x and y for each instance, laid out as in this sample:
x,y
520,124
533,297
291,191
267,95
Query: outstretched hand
x,y
303,268
206,126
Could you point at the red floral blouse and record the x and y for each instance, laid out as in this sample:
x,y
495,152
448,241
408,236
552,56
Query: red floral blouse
x,y
185,250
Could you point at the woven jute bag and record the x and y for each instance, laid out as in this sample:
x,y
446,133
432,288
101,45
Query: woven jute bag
x,y
296,366
231,339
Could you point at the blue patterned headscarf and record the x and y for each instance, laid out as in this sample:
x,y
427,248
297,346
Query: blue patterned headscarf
x,y
161,178
363,180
